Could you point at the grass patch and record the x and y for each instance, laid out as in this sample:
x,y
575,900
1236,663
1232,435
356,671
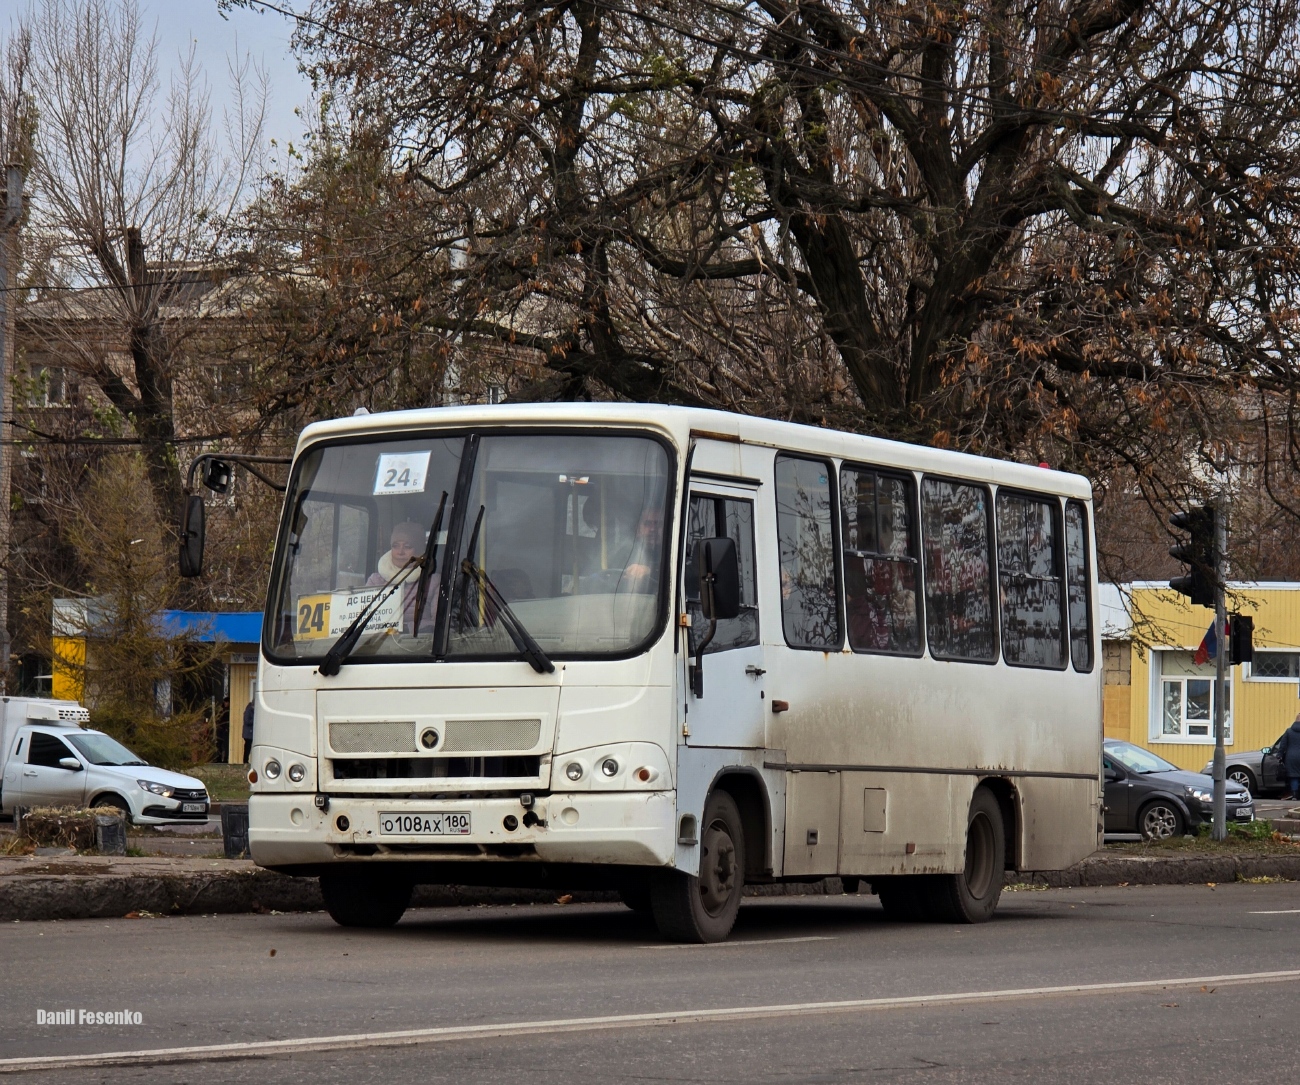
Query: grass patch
x,y
1263,879
1252,838
225,783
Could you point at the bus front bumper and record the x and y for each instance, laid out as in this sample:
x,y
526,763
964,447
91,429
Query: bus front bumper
x,y
637,828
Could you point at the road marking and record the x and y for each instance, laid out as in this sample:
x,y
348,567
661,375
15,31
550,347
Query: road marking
x,y
266,1048
1283,911
749,942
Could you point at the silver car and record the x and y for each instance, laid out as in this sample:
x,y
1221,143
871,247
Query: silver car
x,y
66,766
1259,771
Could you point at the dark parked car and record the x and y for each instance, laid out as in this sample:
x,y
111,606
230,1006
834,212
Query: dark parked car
x,y
1256,770
1146,794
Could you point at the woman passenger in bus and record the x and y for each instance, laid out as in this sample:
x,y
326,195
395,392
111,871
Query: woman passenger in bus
x,y
406,542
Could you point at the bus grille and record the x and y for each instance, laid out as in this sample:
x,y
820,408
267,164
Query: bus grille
x,y
485,735
373,737
416,768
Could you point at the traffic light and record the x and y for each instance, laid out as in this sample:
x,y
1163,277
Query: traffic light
x,y
1198,552
1241,638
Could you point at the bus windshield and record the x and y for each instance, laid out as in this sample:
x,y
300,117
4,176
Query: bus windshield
x,y
567,530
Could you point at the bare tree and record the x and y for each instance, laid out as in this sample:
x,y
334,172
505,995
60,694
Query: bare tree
x,y
134,194
1061,230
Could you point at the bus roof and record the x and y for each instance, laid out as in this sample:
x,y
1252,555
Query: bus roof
x,y
680,423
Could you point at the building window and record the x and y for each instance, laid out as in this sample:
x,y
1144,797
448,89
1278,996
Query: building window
x,y
1273,667
1186,700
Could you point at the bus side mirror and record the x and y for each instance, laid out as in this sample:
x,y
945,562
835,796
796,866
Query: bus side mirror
x,y
191,555
719,579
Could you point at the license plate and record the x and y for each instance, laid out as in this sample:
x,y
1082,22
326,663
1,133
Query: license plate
x,y
443,823
193,807
1245,815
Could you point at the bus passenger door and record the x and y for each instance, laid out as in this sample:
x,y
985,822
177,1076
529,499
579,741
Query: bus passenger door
x,y
731,711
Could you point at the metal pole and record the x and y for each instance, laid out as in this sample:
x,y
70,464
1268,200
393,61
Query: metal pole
x,y
13,211
1220,830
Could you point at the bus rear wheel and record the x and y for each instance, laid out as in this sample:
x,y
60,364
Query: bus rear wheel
x,y
703,907
364,898
972,896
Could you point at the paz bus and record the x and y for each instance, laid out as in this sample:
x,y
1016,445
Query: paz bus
x,y
670,652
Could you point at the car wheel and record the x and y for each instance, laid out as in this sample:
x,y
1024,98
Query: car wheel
x,y
1244,777
1160,820
115,802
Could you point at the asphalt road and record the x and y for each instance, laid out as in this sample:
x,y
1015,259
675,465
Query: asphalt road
x,y
214,980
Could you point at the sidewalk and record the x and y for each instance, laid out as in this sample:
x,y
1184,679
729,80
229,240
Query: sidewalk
x,y
42,887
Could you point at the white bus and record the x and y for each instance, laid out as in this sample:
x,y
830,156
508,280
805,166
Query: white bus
x,y
671,652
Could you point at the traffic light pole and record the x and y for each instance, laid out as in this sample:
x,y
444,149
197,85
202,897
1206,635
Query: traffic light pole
x,y
1220,829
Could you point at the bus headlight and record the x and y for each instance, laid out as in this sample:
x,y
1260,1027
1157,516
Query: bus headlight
x,y
271,770
297,773
573,771
609,767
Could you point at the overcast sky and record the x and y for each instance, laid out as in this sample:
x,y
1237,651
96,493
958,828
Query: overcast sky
x,y
262,34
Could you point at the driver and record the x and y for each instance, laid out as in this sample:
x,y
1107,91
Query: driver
x,y
642,571
406,542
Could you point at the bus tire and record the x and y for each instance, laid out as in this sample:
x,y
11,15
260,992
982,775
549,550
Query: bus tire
x,y
364,898
972,896
691,908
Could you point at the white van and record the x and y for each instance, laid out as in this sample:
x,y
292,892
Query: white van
x,y
51,759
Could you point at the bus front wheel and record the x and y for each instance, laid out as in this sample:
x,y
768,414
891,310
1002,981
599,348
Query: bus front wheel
x,y
364,898
703,907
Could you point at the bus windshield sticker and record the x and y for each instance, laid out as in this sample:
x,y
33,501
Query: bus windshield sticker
x,y
329,614
401,473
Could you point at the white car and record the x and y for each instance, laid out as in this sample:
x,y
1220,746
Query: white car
x,y
68,766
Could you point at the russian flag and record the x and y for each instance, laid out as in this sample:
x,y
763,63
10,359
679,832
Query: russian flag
x,y
1209,646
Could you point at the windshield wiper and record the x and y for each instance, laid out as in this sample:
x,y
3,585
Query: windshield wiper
x,y
342,648
429,566
531,650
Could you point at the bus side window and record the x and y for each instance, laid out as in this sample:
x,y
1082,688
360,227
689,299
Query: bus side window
x,y
1029,576
810,611
959,620
878,533
1078,584
712,517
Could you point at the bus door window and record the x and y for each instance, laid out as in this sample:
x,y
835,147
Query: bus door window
x,y
1029,576
959,619
810,613
880,561
1078,580
716,517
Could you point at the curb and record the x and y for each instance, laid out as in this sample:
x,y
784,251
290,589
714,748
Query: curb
x,y
1162,870
30,897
